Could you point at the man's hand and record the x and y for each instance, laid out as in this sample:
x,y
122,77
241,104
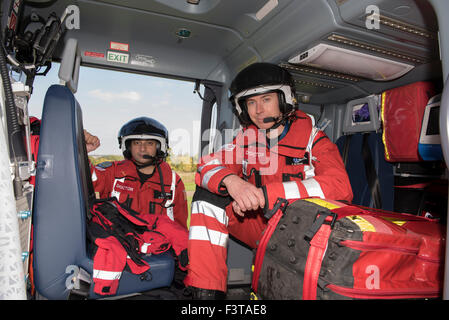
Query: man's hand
x,y
246,196
92,142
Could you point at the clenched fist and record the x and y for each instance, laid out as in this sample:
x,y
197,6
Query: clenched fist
x,y
246,196
92,142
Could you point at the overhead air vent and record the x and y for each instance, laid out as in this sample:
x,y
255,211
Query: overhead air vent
x,y
319,72
314,84
329,57
402,26
369,47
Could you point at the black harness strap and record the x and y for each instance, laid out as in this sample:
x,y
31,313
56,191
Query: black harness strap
x,y
371,174
346,145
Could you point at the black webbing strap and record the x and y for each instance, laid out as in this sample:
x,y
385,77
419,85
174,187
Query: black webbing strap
x,y
371,174
346,149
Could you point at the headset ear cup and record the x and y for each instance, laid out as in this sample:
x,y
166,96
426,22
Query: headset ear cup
x,y
127,154
242,116
283,107
159,153
246,120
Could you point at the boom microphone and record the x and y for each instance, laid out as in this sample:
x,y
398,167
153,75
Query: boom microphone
x,y
269,119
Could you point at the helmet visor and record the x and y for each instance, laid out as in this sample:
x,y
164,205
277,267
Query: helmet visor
x,y
161,140
240,98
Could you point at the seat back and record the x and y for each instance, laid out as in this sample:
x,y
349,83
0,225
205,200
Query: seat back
x,y
354,146
62,193
408,168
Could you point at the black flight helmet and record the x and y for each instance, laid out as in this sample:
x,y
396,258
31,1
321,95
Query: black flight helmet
x,y
259,78
143,128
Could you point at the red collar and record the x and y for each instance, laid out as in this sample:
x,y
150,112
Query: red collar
x,y
293,144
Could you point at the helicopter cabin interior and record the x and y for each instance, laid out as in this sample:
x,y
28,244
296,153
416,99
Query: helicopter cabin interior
x,y
347,58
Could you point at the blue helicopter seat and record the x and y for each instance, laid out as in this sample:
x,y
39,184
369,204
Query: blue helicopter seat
x,y
63,192
358,169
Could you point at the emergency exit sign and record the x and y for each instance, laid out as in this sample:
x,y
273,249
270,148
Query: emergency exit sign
x,y
117,57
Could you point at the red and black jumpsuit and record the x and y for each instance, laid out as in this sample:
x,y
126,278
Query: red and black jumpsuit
x,y
164,213
304,163
120,179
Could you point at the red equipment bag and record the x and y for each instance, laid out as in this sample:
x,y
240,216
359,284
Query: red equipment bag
x,y
322,249
402,112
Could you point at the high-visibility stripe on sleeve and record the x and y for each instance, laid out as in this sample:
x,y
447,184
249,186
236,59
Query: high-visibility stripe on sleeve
x,y
208,175
106,275
210,210
291,190
313,188
214,237
213,161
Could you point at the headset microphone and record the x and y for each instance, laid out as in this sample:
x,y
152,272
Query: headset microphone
x,y
270,119
152,161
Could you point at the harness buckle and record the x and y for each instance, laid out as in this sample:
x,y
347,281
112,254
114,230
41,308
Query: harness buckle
x,y
320,219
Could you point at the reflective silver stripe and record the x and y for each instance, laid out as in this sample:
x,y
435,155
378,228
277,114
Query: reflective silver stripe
x,y
94,176
106,275
214,237
313,188
291,190
309,172
245,167
144,247
208,175
210,210
170,214
116,193
214,161
172,189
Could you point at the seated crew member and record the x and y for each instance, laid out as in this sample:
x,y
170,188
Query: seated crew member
x,y
146,183
279,153
143,181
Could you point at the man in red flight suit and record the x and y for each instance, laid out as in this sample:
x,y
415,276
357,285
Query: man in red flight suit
x,y
145,183
137,181
279,154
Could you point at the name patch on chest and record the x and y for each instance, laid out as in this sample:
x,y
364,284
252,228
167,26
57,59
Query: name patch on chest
x,y
290,161
123,187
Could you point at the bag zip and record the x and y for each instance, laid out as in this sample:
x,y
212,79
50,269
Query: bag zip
x,y
384,294
358,245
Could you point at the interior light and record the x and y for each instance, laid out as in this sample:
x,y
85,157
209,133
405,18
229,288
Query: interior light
x,y
328,57
266,9
195,2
